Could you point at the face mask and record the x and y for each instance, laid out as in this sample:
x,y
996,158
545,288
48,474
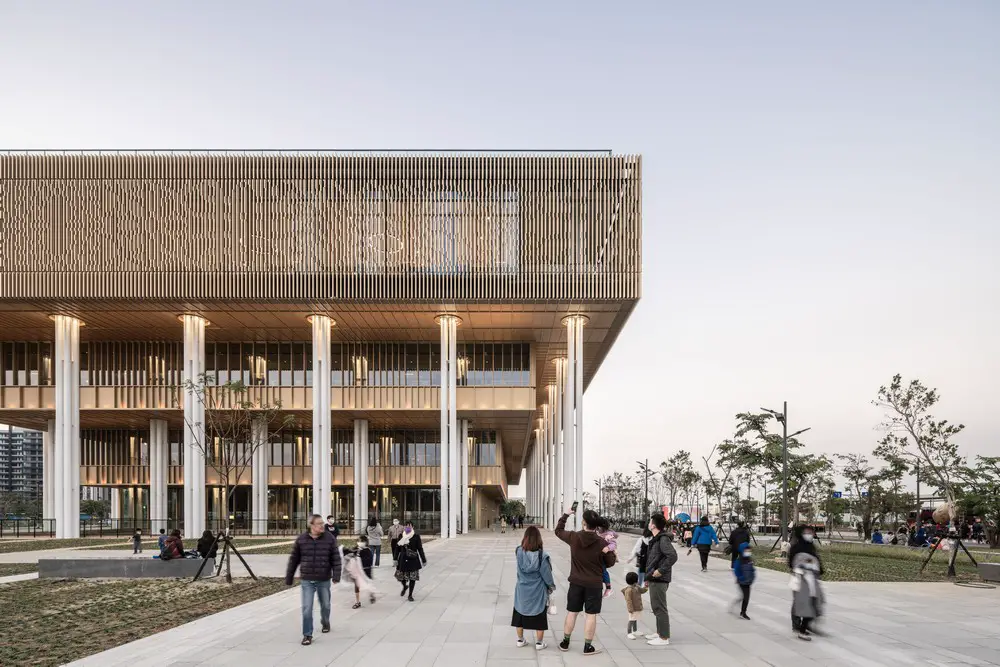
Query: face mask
x,y
808,537
395,522
408,530
747,554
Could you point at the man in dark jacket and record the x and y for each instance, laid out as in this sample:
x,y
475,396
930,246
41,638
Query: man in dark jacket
x,y
740,535
660,559
317,558
589,555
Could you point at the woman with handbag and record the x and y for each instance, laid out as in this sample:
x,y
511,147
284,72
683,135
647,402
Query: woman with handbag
x,y
411,559
534,584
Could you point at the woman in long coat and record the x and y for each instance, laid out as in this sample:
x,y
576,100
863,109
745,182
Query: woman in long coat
x,y
534,583
411,560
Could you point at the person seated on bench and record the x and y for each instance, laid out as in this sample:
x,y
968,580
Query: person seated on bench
x,y
173,546
207,546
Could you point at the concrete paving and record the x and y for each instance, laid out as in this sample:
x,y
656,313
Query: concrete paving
x,y
462,614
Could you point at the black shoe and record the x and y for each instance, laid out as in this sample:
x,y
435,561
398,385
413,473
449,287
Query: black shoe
x,y
590,649
744,617
326,628
410,598
564,645
371,599
402,592
356,605
804,636
307,640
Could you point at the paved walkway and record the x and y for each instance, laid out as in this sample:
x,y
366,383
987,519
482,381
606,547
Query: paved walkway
x,y
462,613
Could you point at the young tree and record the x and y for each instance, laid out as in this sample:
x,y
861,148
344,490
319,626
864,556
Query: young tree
x,y
866,484
99,509
512,508
677,474
914,435
981,494
729,457
237,424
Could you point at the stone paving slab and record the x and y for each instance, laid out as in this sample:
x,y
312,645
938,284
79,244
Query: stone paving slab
x,y
463,605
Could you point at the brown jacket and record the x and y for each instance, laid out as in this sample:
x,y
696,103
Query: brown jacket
x,y
586,557
633,597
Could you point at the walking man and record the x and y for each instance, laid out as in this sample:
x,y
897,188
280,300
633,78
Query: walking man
x,y
660,559
589,556
317,558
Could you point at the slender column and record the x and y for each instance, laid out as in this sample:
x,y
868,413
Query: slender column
x,y
546,478
322,473
67,427
159,454
360,474
568,430
449,426
554,513
258,476
115,503
48,471
463,444
194,431
365,446
578,386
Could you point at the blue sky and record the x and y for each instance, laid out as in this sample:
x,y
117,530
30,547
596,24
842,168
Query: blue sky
x,y
820,183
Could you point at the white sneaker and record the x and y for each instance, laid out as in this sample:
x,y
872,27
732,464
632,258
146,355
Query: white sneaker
x,y
653,636
520,643
659,642
540,646
632,635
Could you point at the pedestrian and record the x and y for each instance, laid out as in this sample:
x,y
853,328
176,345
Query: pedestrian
x,y
531,593
633,603
745,573
687,535
589,556
363,554
331,527
807,594
660,561
137,542
739,535
503,525
803,541
703,538
162,538
395,532
374,533
411,560
639,553
317,557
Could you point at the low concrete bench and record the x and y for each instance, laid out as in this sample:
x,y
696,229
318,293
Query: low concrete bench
x,y
989,571
121,568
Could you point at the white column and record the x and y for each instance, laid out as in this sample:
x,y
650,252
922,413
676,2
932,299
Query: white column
x,y
449,426
48,471
258,475
115,504
194,430
546,477
578,386
322,473
463,476
569,429
159,453
66,445
360,474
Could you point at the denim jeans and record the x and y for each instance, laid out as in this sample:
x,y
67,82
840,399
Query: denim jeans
x,y
322,590
642,576
377,551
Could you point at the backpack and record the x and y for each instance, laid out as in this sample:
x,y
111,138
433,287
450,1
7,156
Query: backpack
x,y
166,553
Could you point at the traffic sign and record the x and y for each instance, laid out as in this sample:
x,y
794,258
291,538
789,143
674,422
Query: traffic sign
x,y
838,494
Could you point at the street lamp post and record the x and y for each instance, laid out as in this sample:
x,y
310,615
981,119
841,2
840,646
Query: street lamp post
x,y
783,418
600,497
644,467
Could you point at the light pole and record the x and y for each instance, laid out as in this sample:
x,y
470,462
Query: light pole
x,y
644,467
783,418
600,497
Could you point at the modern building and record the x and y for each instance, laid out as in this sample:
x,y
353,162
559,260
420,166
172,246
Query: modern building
x,y
21,463
426,322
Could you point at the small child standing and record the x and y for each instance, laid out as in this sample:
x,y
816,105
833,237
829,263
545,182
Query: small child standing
x,y
137,542
633,603
745,572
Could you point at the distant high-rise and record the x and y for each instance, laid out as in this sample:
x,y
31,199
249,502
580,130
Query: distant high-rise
x,y
21,462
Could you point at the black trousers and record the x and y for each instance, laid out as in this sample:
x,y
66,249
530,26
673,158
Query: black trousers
x,y
703,550
745,588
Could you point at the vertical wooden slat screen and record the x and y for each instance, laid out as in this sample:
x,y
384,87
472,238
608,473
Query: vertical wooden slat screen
x,y
307,227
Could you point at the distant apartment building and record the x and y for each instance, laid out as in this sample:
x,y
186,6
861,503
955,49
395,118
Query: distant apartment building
x,y
21,462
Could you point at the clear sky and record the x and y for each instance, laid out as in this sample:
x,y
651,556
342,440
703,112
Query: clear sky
x,y
821,183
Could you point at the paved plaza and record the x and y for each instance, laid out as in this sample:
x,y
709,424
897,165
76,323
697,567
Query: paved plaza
x,y
463,605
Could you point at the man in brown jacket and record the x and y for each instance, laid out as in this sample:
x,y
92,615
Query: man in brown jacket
x,y
589,555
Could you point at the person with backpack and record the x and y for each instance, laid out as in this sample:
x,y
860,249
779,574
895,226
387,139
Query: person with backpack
x,y
639,551
745,573
317,557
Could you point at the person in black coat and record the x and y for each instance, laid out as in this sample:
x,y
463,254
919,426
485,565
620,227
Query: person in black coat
x,y
207,546
739,535
317,558
803,542
411,559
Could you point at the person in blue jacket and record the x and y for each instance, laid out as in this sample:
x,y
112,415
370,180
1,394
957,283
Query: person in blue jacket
x,y
703,539
877,537
745,572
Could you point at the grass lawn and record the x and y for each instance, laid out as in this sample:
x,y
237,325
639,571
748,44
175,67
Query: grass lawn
x,y
285,549
7,569
52,622
42,544
849,562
